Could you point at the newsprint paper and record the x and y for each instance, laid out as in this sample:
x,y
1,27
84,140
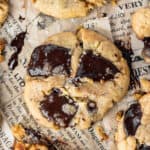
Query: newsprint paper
x,y
112,21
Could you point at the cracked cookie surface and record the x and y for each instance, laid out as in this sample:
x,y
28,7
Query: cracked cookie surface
x,y
3,11
74,82
134,127
66,8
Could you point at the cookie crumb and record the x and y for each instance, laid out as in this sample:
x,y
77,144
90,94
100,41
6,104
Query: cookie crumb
x,y
102,133
119,115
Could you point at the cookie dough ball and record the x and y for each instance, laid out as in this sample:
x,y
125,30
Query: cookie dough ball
x,y
3,11
141,23
67,8
75,78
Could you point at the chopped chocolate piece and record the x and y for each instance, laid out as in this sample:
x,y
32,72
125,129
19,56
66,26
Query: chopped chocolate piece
x,y
144,147
21,18
58,108
132,118
146,41
18,43
96,67
49,60
91,106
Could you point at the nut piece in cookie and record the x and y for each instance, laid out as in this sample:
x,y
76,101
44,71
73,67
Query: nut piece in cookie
x,y
3,11
74,82
134,127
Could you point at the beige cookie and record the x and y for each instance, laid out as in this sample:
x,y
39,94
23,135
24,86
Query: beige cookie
x,y
134,127
73,79
66,8
3,11
141,22
30,139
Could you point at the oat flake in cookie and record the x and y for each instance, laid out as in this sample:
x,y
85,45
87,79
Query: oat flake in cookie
x,y
3,11
67,8
74,79
134,127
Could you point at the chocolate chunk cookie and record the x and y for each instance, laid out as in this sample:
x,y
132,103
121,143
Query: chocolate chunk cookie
x,y
3,11
141,26
134,127
141,22
73,79
67,8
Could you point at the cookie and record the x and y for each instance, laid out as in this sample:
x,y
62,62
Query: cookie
x,y
30,139
141,22
66,8
3,11
134,126
75,78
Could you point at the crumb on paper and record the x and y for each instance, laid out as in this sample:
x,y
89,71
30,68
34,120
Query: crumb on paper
x,y
101,133
119,115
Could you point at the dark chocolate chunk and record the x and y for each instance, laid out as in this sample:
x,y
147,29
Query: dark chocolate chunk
x,y
146,41
128,54
49,60
17,43
21,18
144,147
92,106
58,108
132,119
96,67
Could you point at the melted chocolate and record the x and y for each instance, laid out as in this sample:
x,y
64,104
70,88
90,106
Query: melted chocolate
x,y
96,67
91,106
18,43
144,147
58,108
49,60
132,118
146,41
127,54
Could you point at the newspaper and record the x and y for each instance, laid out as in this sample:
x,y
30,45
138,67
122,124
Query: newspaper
x,y
116,25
